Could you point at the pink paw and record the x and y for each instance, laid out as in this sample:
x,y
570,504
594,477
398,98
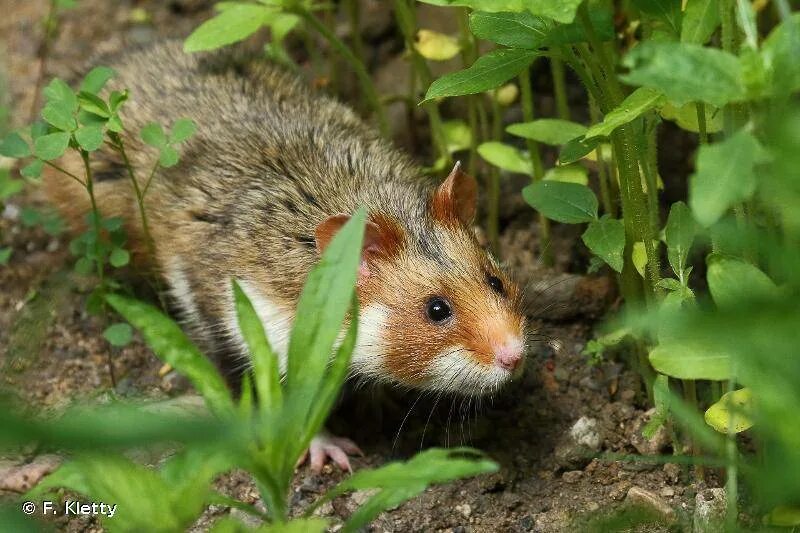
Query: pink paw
x,y
325,446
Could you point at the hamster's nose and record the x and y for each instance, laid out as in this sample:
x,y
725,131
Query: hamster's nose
x,y
508,355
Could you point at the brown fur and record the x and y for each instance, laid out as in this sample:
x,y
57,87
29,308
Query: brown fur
x,y
270,163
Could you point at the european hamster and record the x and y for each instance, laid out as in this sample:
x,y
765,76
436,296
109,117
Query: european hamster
x,y
271,174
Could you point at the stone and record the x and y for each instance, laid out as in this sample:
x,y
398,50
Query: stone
x,y
653,445
573,476
465,509
576,448
647,500
709,511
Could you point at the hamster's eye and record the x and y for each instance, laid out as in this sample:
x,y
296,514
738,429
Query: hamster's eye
x,y
495,284
438,309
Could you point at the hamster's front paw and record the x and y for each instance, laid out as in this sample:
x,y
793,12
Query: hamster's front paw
x,y
325,446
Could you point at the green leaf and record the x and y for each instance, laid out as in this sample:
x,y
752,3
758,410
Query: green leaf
x,y
94,104
691,360
489,71
33,169
266,371
639,257
59,116
635,104
5,255
506,157
574,173
577,149
172,346
686,116
606,239
679,234
232,25
14,145
59,92
560,11
666,11
686,72
563,202
153,134
602,20
90,138
551,131
51,146
400,481
168,157
119,334
182,130
84,266
457,135
783,516
725,176
733,282
661,398
9,187
732,413
700,21
516,30
779,53
116,99
119,257
96,79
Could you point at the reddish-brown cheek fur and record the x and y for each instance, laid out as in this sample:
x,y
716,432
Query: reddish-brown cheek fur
x,y
482,318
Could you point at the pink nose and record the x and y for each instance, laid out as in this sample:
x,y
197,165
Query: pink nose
x,y
508,355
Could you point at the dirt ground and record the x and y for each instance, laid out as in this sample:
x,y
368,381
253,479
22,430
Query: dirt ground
x,y
544,430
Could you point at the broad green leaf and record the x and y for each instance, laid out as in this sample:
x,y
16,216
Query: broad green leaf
x,y
153,134
506,157
686,72
457,135
661,398
574,173
635,104
15,146
779,53
563,202
266,371
9,187
602,20
691,359
678,235
725,175
84,266
700,21
59,116
51,146
685,116
489,71
667,12
606,239
577,149
59,92
90,138
119,334
94,104
436,46
639,257
5,255
733,282
746,17
96,79
401,481
119,257
551,131
562,10
182,130
732,413
232,25
172,346
516,30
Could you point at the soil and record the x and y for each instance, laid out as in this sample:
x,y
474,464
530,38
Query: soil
x,y
550,431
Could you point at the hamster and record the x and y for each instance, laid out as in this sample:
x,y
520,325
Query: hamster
x,y
272,173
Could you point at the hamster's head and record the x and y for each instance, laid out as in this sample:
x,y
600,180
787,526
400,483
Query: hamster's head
x,y
437,311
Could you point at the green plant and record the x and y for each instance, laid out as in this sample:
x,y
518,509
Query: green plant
x,y
264,436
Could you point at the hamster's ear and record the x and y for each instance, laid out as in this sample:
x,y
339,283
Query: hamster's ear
x,y
381,238
456,198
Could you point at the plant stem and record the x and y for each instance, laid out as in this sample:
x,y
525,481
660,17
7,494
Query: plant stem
x,y
468,56
359,68
493,210
526,96
407,23
50,24
690,395
559,88
65,172
605,187
702,126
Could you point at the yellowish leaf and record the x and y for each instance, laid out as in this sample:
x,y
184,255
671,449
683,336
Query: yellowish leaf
x,y
506,95
732,411
639,256
436,46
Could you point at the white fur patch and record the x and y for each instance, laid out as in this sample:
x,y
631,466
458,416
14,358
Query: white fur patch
x,y
180,289
454,370
368,353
